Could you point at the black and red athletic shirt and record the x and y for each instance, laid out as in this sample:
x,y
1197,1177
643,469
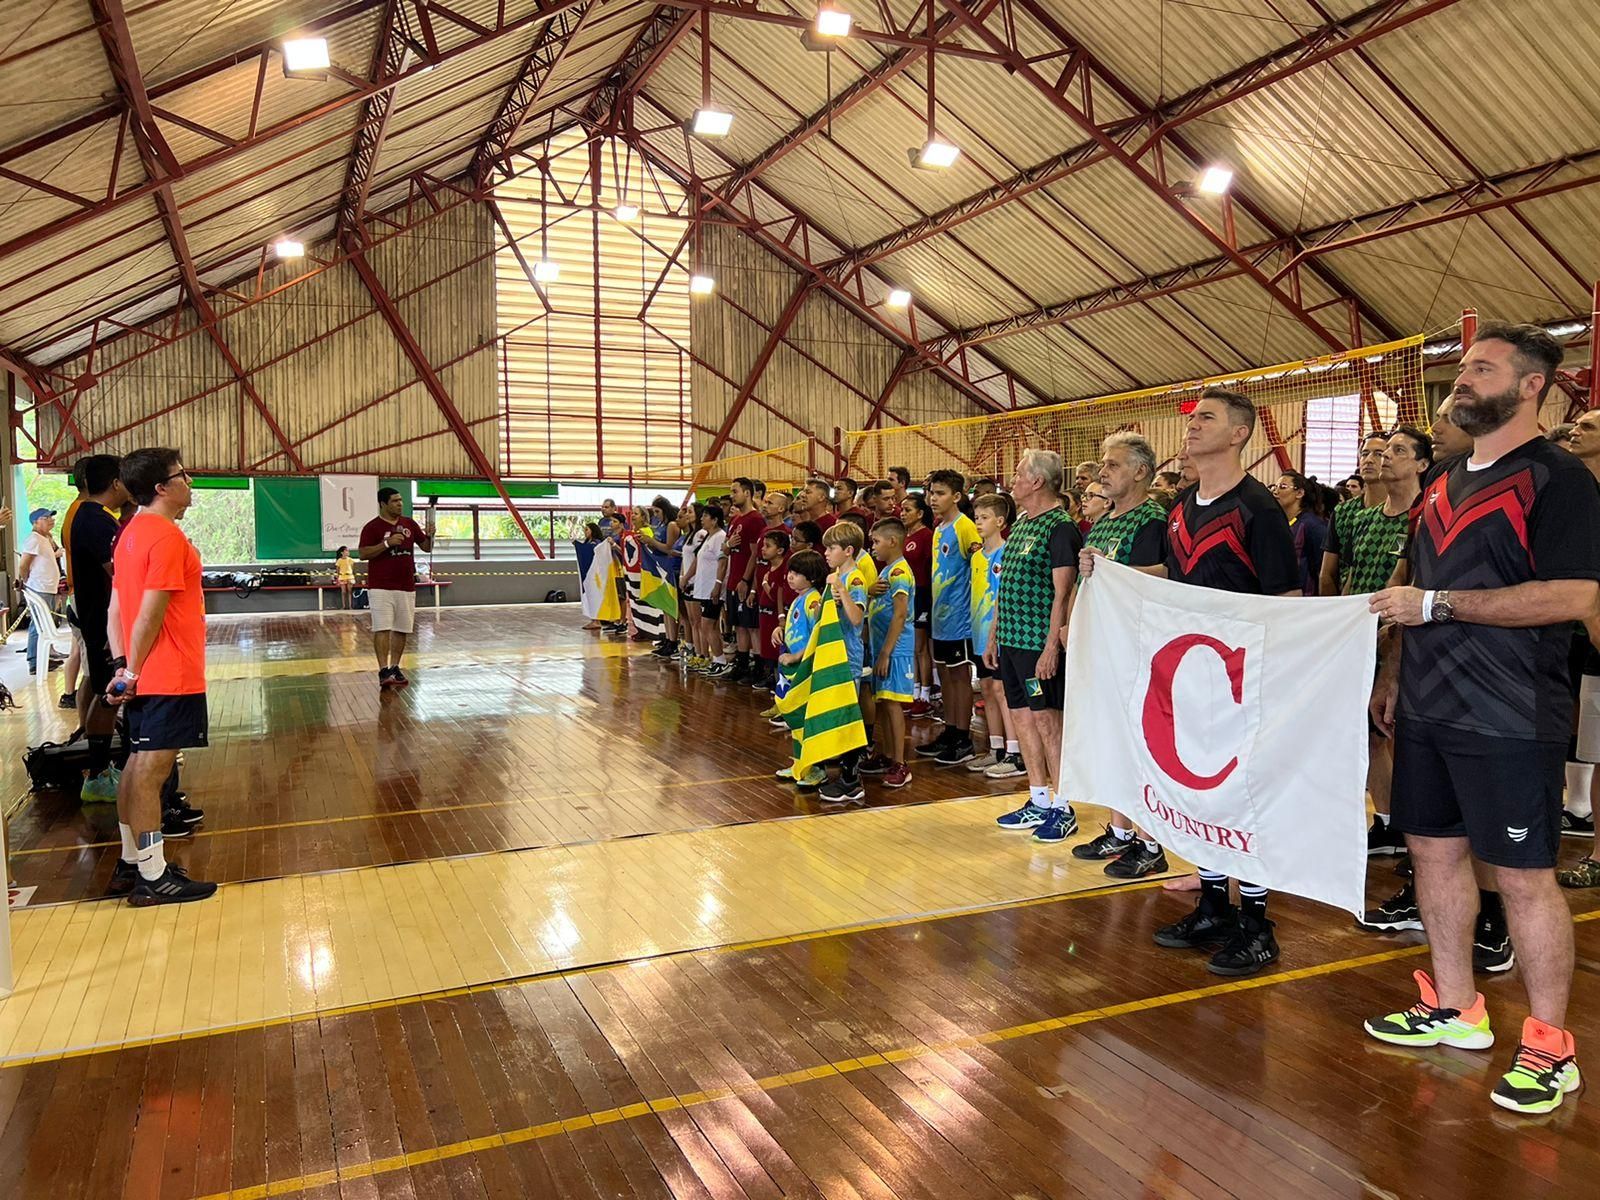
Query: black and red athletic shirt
x,y
1534,513
1239,542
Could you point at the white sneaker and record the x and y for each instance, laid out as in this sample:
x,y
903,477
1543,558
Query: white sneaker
x,y
1009,767
982,763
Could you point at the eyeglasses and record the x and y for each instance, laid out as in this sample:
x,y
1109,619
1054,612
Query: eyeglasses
x,y
183,475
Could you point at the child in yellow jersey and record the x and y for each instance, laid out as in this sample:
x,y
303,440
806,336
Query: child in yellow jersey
x,y
346,568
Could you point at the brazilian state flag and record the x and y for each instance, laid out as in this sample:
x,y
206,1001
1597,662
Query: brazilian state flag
x,y
655,584
821,705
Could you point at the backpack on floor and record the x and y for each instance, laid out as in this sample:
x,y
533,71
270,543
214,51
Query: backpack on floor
x,y
59,766
555,596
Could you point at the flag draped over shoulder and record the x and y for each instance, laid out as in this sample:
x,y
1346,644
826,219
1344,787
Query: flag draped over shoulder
x,y
655,584
597,567
820,704
1231,728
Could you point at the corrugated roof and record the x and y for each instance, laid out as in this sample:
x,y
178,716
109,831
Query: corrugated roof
x,y
1413,113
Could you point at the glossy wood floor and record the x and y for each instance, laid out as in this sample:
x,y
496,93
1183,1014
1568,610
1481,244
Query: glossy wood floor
x,y
456,1027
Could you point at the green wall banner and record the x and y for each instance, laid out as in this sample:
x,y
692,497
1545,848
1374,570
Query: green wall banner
x,y
289,517
482,489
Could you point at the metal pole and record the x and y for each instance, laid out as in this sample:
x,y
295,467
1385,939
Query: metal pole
x,y
1469,328
1594,348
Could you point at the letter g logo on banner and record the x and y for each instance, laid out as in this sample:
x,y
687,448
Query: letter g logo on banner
x,y
1160,727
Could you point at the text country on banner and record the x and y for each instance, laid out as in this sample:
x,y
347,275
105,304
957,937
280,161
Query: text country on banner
x,y
1231,728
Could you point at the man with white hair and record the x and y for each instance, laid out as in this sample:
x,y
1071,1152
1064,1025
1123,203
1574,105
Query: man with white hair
x,y
1029,646
1131,534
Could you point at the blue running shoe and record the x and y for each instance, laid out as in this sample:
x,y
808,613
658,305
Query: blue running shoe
x,y
1059,824
1029,816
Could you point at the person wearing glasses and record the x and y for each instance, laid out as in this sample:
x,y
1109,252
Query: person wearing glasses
x,y
157,629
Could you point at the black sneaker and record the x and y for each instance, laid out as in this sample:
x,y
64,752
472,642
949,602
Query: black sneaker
x,y
1251,947
1403,867
1491,947
174,887
397,678
1203,927
68,700
384,675
123,878
1398,912
957,751
1382,839
841,791
1572,825
665,649
934,748
186,814
1137,861
1107,845
173,825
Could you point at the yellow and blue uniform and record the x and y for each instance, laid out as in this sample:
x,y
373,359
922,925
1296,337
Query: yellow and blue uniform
x,y
856,588
985,589
868,566
953,543
898,683
803,614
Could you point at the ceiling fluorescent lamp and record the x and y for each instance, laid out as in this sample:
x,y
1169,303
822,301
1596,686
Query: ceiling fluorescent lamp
x,y
626,212
832,23
306,58
899,298
701,285
546,271
1215,181
284,248
712,122
934,156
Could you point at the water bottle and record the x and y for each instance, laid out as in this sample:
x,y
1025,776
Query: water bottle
x,y
119,688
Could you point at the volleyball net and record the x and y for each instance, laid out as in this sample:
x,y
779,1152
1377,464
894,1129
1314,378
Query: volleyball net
x,y
1345,395
782,467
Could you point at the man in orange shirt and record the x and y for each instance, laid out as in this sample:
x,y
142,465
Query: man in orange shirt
x,y
157,629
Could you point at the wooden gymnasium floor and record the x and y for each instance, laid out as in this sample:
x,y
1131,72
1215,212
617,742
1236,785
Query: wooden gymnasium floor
x,y
542,926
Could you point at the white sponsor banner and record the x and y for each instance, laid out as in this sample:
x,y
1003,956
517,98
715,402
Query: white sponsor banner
x,y
348,503
1231,728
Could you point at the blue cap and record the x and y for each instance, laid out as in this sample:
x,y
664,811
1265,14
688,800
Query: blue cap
x,y
40,512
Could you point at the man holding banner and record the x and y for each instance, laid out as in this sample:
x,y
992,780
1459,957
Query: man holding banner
x,y
1226,533
1506,555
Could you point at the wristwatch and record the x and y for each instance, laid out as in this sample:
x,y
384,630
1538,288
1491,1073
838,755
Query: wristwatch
x,y
1442,610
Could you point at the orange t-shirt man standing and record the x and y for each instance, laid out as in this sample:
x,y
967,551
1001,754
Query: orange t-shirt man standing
x,y
157,629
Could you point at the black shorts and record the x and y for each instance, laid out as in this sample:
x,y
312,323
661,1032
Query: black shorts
x,y
711,609
166,722
984,672
1024,689
922,607
744,613
1502,794
953,653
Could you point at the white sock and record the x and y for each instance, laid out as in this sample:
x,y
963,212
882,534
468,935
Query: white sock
x,y
152,857
722,659
130,845
1013,746
997,744
920,692
1578,802
1059,801
1039,797
1122,835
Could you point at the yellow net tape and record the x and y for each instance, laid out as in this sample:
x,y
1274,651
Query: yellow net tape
x,y
785,467
1352,392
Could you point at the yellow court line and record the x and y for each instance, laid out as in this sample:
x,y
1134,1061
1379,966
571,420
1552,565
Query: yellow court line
x,y
771,1083
244,671
576,972
416,812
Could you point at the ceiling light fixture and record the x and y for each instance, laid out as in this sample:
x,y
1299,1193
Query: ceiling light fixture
x,y
935,155
306,58
546,271
898,298
1215,181
626,212
832,23
701,285
285,248
712,122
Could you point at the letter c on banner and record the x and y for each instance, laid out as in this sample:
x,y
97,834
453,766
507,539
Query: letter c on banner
x,y
1160,728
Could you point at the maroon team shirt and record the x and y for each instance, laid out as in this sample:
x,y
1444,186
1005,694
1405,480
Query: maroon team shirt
x,y
395,570
749,526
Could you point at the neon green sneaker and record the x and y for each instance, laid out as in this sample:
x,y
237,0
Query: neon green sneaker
x,y
770,711
1426,1024
814,777
101,788
784,774
1543,1072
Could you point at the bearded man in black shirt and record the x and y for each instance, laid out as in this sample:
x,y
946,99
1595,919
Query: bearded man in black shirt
x,y
1506,555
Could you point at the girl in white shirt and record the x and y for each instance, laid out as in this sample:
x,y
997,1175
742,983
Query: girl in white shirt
x,y
709,571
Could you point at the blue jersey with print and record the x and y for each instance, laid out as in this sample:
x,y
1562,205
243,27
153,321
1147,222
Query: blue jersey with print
x,y
952,579
856,588
880,611
802,616
985,589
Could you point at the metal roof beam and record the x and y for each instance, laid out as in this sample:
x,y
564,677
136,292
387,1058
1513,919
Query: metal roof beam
x,y
1504,191
388,60
550,46
160,163
660,36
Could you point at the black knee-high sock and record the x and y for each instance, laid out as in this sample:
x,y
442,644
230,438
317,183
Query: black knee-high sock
x,y
99,753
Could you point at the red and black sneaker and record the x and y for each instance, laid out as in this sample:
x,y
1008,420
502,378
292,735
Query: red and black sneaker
x,y
397,678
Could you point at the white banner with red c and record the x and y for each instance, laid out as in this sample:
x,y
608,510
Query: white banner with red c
x,y
1231,728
